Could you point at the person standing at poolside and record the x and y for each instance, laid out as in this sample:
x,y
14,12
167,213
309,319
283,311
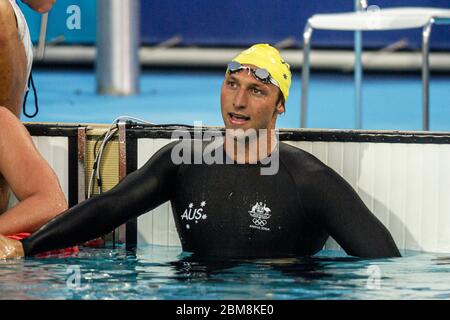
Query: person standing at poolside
x,y
16,57
233,209
16,51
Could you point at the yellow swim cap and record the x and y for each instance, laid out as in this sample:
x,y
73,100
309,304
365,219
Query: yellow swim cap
x,y
265,56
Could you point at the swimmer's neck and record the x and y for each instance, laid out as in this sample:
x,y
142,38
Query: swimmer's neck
x,y
247,150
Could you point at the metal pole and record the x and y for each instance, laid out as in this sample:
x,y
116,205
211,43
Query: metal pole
x,y
305,74
358,70
358,78
118,34
42,37
426,73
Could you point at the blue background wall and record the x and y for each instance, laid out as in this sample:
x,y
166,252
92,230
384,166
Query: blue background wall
x,y
57,22
236,23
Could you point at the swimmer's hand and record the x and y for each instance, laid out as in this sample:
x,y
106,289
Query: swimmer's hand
x,y
10,249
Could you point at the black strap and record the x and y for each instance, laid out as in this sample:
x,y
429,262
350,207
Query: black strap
x,y
30,81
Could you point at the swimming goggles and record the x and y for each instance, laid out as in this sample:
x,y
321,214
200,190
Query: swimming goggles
x,y
260,74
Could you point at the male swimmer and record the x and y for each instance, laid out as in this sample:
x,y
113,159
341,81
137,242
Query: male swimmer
x,y
21,166
224,210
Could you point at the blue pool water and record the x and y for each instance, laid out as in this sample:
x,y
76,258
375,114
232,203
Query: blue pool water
x,y
389,103
157,272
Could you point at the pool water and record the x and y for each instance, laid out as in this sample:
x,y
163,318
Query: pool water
x,y
159,272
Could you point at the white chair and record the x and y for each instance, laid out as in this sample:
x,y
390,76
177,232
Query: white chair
x,y
382,19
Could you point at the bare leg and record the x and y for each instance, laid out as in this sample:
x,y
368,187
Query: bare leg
x,y
13,66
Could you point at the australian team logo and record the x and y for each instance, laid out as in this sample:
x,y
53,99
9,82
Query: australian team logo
x,y
194,214
260,214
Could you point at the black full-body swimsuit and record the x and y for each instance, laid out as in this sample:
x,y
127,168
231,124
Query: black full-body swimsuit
x,y
231,210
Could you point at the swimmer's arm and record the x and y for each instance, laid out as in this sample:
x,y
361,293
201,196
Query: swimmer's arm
x,y
136,194
29,176
350,222
41,6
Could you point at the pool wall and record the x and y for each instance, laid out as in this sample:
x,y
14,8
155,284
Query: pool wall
x,y
403,177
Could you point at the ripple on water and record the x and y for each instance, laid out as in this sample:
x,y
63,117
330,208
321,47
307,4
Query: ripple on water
x,y
158,272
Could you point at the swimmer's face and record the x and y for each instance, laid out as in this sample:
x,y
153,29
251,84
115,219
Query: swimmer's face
x,y
249,103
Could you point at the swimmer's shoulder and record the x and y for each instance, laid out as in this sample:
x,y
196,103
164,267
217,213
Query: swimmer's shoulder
x,y
309,173
311,176
297,159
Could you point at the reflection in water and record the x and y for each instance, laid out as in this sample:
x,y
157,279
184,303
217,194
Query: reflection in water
x,y
442,260
164,273
200,267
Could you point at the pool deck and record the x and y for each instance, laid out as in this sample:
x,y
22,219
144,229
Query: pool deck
x,y
389,102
